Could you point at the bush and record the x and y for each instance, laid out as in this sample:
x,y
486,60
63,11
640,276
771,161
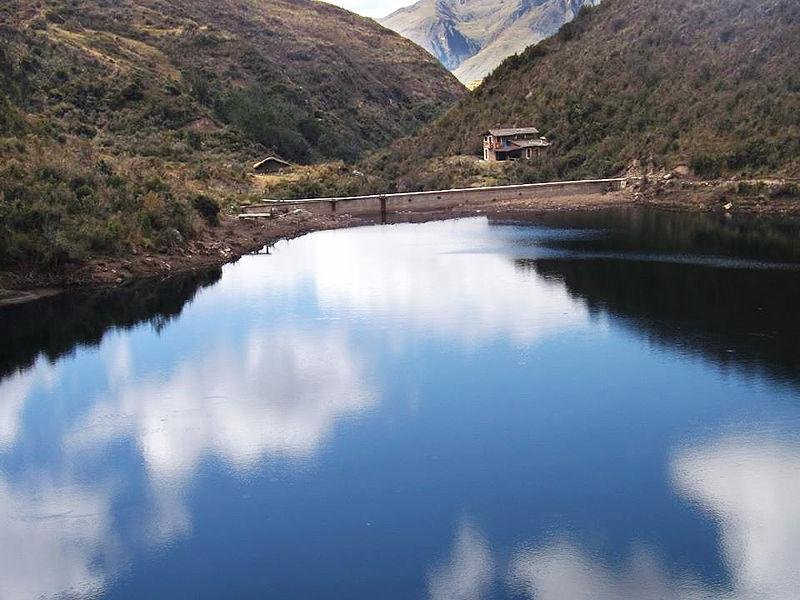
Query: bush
x,y
268,119
706,166
194,140
567,31
747,188
753,154
10,119
785,190
208,208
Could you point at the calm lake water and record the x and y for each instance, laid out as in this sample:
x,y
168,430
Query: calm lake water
x,y
602,405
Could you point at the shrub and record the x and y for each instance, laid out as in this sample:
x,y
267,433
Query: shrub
x,y
208,208
199,87
194,140
567,32
10,120
753,154
270,120
747,188
785,190
706,166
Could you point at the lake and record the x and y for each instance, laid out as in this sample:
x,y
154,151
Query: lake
x,y
596,405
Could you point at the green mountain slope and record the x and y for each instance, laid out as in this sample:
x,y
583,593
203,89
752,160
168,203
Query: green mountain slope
x,y
116,115
714,83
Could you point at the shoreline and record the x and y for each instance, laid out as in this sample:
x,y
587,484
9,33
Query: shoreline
x,y
222,245
234,238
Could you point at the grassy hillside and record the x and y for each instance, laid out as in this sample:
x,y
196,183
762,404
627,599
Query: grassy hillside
x,y
125,123
712,83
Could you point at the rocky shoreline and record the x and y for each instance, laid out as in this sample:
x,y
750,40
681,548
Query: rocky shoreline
x,y
223,244
234,238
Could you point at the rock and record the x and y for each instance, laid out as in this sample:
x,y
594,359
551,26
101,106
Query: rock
x,y
175,236
682,171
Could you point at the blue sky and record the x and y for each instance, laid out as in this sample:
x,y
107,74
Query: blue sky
x,y
372,8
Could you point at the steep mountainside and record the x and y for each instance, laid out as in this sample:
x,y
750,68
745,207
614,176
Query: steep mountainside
x,y
714,83
472,37
115,113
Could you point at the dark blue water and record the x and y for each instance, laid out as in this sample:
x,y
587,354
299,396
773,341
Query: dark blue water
x,y
601,405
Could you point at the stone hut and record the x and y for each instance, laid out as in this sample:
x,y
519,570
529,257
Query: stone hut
x,y
517,143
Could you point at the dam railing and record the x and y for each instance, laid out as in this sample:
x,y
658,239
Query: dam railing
x,y
435,200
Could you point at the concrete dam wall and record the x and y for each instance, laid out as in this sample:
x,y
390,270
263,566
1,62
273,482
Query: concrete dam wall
x,y
435,200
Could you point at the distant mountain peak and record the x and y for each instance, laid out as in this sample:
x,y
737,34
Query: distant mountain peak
x,y
472,37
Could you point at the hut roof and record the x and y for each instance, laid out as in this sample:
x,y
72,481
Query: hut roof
x,y
512,131
271,160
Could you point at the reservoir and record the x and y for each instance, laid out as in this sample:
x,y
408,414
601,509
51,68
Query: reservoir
x,y
599,404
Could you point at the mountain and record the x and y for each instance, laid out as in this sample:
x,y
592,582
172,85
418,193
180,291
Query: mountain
x,y
710,83
115,114
472,37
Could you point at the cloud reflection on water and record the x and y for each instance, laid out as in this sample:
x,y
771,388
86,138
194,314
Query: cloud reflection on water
x,y
452,279
274,381
14,393
279,395
274,391
470,570
54,539
749,484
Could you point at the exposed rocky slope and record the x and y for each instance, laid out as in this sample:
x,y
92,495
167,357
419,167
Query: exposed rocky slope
x,y
472,37
125,123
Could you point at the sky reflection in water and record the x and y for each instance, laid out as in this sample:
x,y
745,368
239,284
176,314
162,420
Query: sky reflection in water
x,y
445,410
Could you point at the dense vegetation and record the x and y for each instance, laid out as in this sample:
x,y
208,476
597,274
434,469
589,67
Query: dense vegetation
x,y
711,83
125,124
